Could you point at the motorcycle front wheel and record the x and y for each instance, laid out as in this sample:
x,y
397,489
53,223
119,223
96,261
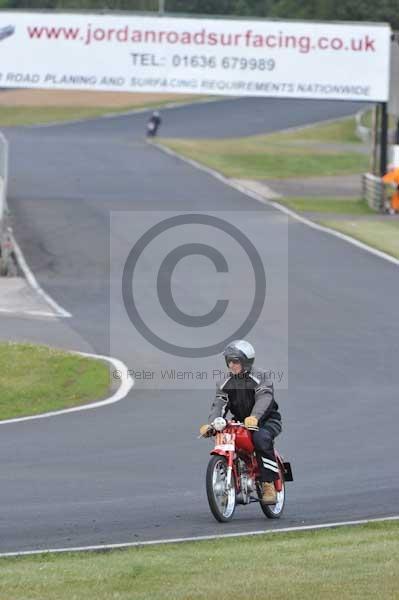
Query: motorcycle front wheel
x,y
222,500
274,511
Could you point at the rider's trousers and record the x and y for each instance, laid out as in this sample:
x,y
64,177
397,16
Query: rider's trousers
x,y
264,445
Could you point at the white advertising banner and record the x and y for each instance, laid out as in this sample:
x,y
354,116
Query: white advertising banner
x,y
346,61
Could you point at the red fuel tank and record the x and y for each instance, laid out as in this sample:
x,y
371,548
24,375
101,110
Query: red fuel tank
x,y
243,439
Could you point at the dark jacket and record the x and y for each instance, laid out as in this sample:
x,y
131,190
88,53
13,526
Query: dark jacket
x,y
155,120
245,395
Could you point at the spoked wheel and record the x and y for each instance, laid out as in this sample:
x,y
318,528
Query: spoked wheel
x,y
222,500
274,511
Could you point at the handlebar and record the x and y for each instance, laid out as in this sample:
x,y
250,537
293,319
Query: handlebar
x,y
228,424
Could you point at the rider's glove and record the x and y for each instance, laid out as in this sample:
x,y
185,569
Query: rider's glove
x,y
251,423
206,430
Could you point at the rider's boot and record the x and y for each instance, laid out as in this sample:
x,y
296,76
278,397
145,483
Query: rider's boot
x,y
269,494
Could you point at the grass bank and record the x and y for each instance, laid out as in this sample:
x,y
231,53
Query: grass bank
x,y
383,235
38,379
345,563
380,234
338,206
342,131
322,150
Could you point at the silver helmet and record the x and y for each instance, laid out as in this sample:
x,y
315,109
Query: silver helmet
x,y
242,351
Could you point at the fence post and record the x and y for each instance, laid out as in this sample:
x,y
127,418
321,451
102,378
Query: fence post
x,y
5,242
384,139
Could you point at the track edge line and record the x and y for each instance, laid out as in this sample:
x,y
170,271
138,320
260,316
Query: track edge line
x,y
202,538
121,393
31,279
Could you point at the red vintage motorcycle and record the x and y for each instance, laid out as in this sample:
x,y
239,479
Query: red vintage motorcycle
x,y
232,476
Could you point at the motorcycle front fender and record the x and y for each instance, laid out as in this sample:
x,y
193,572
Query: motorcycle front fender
x,y
217,451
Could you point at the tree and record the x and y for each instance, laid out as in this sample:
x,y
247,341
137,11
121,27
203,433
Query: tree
x,y
256,8
345,10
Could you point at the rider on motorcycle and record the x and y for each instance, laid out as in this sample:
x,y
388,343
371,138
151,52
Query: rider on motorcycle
x,y
153,124
249,396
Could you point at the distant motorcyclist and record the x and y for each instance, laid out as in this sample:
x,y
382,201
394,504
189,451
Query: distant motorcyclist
x,y
249,396
153,124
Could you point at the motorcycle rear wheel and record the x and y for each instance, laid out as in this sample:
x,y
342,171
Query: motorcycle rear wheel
x,y
222,502
274,511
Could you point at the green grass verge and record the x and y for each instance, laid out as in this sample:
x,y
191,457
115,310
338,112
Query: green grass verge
x,y
379,234
342,131
38,379
344,563
342,206
12,116
247,158
297,153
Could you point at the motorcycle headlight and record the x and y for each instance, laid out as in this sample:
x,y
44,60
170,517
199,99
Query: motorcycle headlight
x,y
219,424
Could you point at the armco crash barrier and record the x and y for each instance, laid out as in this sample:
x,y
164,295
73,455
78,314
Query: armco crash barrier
x,y
373,191
376,193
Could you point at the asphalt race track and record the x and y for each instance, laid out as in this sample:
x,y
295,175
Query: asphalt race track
x,y
135,471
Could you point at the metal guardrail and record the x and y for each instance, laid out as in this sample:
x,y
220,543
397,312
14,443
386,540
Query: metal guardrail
x,y
376,193
373,191
5,247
